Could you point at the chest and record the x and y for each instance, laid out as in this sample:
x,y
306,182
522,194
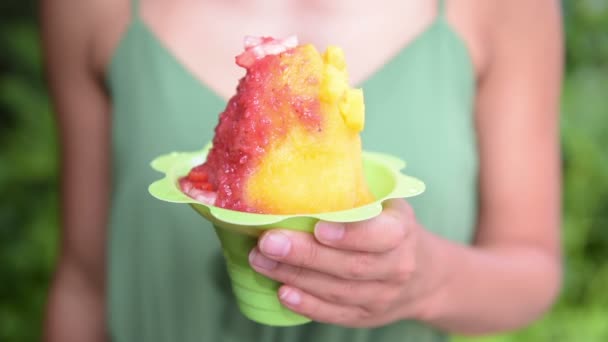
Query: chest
x,y
205,36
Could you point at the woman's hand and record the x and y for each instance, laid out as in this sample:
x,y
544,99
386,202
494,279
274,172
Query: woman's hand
x,y
367,273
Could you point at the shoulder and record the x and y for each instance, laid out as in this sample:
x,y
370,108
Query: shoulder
x,y
517,19
525,32
82,33
525,11
490,28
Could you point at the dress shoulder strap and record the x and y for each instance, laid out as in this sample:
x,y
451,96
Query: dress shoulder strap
x,y
134,9
440,7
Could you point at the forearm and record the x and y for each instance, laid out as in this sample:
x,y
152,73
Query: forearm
x,y
75,310
483,290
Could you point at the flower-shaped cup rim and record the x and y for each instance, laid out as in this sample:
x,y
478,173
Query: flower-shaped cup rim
x,y
177,164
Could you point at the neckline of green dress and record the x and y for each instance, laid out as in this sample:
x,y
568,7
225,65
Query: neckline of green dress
x,y
138,25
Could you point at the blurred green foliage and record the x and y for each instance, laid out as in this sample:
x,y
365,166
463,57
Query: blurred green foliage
x,y
28,180
586,33
28,170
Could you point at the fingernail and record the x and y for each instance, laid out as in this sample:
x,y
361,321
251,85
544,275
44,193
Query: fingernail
x,y
329,231
259,260
290,296
275,244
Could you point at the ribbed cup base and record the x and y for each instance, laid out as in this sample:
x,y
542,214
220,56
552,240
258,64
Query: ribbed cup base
x,y
256,295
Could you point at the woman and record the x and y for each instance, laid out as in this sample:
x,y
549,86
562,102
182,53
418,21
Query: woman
x,y
465,90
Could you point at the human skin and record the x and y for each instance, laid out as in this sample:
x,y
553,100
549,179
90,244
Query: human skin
x,y
506,279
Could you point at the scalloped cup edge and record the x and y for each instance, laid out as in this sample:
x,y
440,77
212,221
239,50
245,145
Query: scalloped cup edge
x,y
166,189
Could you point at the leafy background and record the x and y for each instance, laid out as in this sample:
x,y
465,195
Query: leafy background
x,y
28,180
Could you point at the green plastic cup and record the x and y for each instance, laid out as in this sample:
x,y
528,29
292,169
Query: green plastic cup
x,y
255,294
238,232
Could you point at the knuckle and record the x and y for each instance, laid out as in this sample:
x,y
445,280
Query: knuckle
x,y
364,313
397,225
340,293
385,301
396,241
294,275
389,297
379,304
343,317
310,257
310,308
360,266
400,231
404,270
335,295
382,301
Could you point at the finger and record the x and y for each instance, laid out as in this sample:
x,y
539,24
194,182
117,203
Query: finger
x,y
321,285
319,310
379,234
303,250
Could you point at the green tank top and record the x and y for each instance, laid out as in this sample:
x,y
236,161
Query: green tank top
x,y
166,275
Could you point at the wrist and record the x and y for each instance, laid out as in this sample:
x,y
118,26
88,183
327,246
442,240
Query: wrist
x,y
437,267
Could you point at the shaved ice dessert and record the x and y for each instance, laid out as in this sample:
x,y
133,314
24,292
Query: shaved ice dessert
x,y
288,141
